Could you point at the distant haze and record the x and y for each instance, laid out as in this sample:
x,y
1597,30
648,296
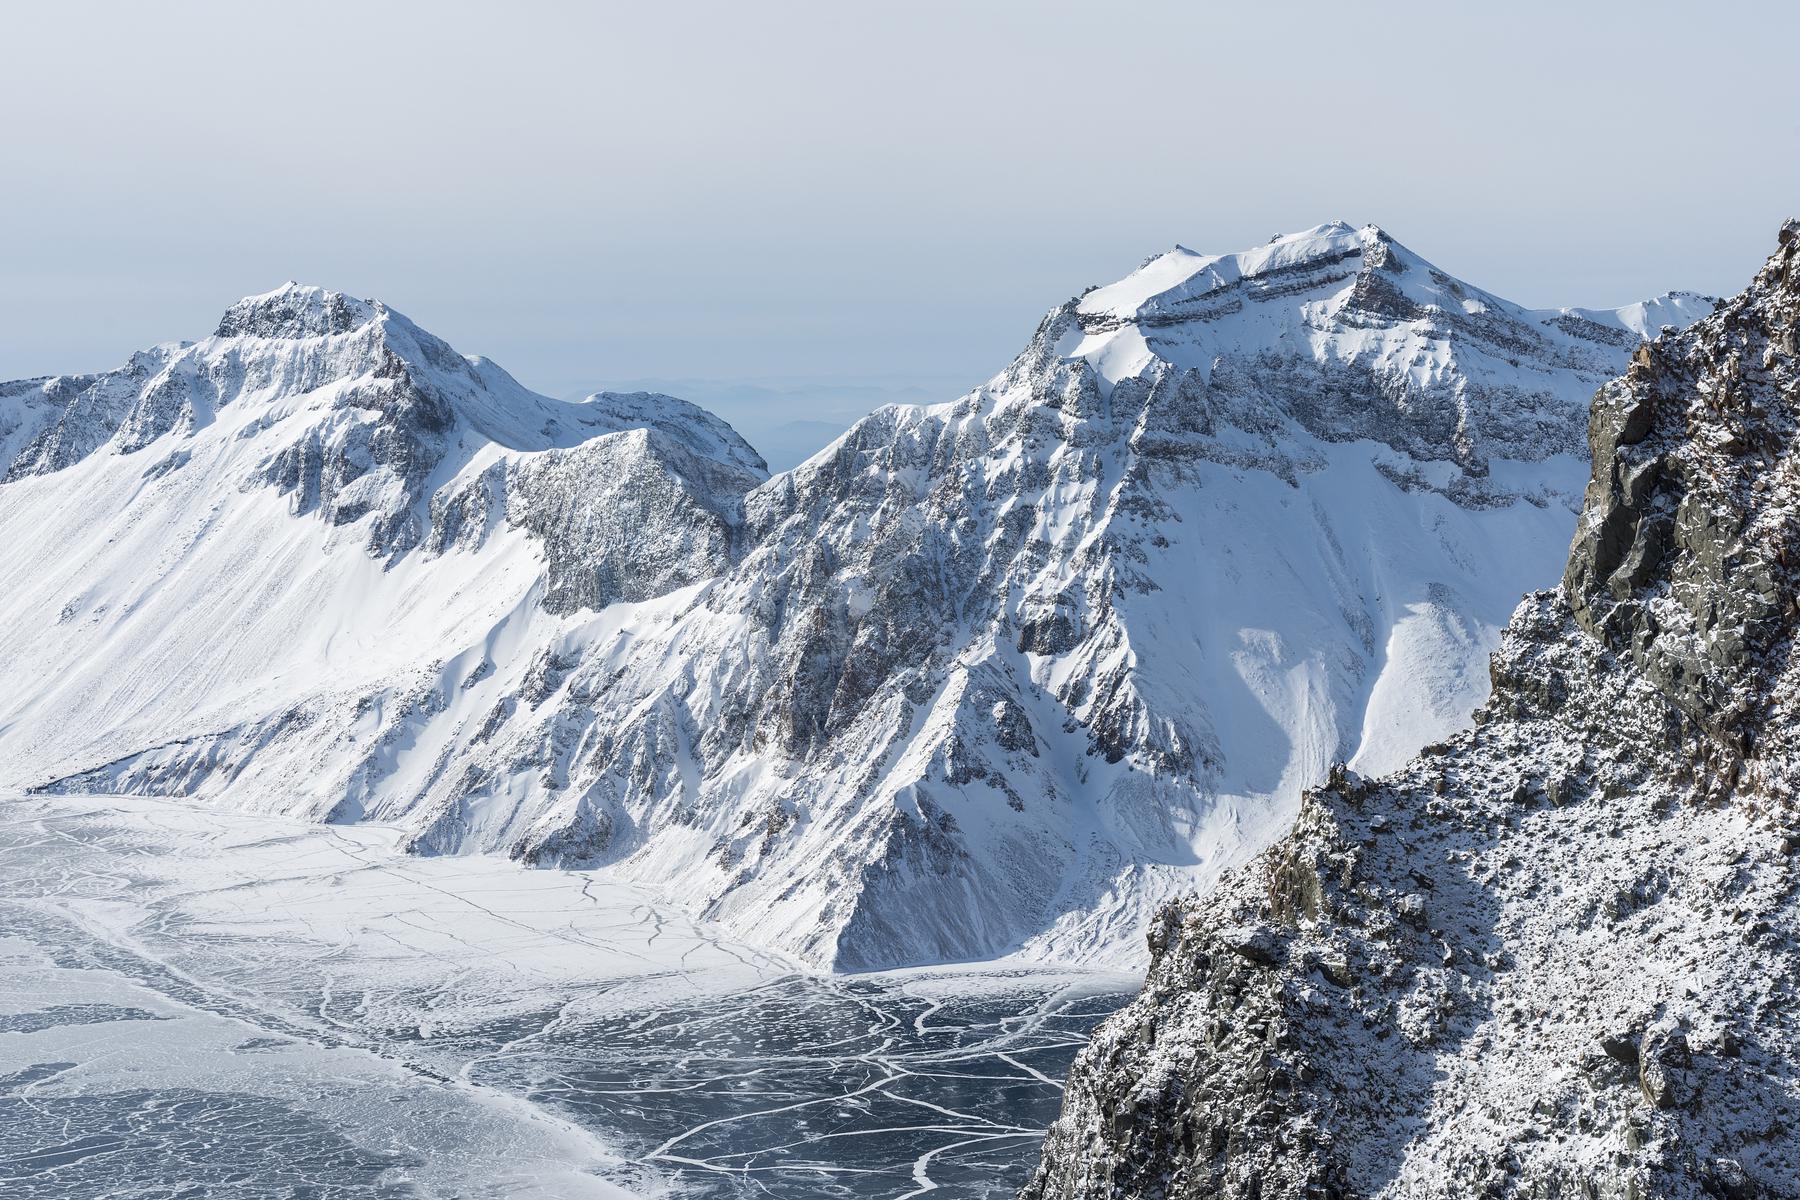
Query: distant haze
x,y
807,209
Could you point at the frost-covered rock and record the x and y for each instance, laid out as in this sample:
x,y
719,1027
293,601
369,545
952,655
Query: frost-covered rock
x,y
998,674
1555,955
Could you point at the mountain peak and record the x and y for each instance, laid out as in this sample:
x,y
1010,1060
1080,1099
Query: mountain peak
x,y
1327,231
1183,274
1463,375
700,431
296,310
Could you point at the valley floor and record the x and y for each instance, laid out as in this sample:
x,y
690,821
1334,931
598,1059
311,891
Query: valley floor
x,y
196,1002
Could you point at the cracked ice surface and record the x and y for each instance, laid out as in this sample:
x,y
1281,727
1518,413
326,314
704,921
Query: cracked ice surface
x,y
197,1003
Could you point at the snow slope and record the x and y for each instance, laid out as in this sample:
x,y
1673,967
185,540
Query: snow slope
x,y
990,676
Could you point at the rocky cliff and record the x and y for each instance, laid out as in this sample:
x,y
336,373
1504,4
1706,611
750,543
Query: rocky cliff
x,y
1557,954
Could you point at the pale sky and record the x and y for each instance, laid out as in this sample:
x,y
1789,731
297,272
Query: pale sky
x,y
812,207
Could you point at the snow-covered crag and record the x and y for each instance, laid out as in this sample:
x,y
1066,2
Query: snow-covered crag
x,y
1558,954
1002,673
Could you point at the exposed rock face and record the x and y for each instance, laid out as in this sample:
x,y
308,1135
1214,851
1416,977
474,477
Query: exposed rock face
x,y
1005,672
1558,954
627,517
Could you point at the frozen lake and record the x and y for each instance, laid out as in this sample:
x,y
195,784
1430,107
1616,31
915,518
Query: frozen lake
x,y
198,1003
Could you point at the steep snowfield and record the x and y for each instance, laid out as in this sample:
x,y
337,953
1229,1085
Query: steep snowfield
x,y
1556,954
991,676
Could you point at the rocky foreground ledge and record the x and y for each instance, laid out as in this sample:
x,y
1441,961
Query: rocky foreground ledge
x,y
1556,955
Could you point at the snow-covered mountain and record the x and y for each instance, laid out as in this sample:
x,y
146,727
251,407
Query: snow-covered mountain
x,y
1556,954
314,502
996,674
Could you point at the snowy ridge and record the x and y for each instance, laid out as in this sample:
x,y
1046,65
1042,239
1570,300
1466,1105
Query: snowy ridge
x,y
993,676
1555,954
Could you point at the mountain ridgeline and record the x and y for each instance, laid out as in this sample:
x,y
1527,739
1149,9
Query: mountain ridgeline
x,y
1556,954
1002,674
